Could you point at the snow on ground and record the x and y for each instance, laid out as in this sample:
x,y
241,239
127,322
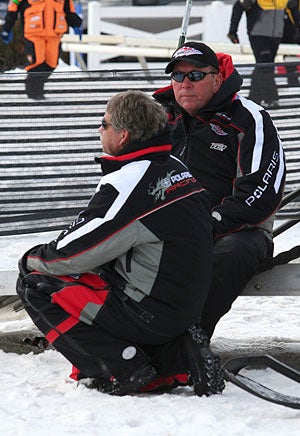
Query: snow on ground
x,y
38,398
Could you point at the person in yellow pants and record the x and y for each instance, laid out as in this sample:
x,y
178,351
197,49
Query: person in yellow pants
x,y
44,22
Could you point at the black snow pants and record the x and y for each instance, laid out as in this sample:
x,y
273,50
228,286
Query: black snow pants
x,y
263,86
92,326
236,259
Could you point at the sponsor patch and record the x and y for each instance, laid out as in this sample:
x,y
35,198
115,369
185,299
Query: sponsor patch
x,y
217,129
187,51
169,183
218,146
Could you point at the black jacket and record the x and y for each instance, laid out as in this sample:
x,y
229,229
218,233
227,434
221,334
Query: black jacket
x,y
150,220
234,150
263,22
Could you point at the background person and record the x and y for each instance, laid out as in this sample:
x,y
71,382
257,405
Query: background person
x,y
291,35
232,147
44,22
136,322
265,25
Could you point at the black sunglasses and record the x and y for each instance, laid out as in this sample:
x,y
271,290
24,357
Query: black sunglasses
x,y
105,124
193,76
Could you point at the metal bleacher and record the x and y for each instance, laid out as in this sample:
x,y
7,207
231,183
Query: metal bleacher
x,y
48,173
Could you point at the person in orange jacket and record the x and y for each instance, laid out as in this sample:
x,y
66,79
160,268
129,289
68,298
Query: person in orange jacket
x,y
44,22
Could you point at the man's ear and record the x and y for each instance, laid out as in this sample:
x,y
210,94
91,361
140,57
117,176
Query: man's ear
x,y
218,82
124,137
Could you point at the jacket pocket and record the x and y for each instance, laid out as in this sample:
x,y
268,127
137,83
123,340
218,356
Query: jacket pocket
x,y
60,23
34,23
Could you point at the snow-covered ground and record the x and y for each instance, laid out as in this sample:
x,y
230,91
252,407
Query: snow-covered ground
x,y
38,398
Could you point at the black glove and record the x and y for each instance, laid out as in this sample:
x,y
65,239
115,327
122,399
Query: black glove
x,y
296,38
23,271
233,36
22,264
6,37
78,31
20,287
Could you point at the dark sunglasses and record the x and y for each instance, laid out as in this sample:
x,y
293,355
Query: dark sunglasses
x,y
105,124
193,76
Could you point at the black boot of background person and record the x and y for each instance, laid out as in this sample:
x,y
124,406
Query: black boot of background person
x,y
35,80
292,74
34,86
263,87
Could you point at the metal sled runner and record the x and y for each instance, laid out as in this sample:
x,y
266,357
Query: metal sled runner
x,y
231,373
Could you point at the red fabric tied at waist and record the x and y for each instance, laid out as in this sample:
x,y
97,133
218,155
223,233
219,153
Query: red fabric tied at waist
x,y
82,297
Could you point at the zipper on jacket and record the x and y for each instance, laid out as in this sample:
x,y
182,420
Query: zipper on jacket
x,y
186,135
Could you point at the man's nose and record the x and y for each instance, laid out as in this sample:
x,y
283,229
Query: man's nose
x,y
186,81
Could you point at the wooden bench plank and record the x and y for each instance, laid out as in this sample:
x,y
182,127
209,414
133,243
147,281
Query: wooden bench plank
x,y
279,281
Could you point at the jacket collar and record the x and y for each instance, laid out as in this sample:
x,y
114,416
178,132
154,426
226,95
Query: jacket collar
x,y
154,149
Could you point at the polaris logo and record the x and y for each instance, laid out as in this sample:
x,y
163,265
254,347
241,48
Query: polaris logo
x,y
181,176
218,146
260,189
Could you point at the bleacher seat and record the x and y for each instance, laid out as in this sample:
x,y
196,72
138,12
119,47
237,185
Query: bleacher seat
x,y
48,173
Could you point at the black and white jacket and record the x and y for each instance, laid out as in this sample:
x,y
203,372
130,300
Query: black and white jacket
x,y
234,150
150,220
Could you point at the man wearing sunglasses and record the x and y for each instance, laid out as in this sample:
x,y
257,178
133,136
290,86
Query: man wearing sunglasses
x,y
231,145
118,292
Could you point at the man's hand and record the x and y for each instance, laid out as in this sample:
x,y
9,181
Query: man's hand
x,y
233,36
78,31
6,37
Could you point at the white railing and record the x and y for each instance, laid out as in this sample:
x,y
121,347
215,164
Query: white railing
x,y
207,22
144,32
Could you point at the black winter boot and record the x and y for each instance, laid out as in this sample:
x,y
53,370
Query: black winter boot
x,y
203,366
132,383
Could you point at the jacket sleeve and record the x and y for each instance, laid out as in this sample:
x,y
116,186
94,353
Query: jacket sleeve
x,y
236,15
72,18
294,10
90,241
260,179
11,16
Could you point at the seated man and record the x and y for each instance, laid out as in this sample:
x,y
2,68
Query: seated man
x,y
232,147
119,291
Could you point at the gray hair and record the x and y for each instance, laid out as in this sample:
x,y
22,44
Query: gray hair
x,y
138,113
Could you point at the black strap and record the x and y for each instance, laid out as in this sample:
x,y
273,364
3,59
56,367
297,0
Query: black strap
x,y
280,259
